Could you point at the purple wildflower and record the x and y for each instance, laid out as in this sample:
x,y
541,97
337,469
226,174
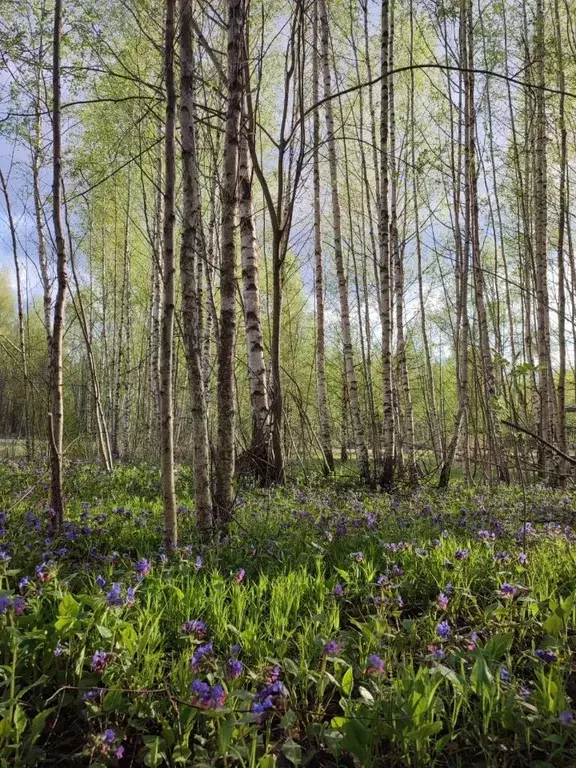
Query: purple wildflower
x,y
4,605
259,708
546,656
566,718
95,693
376,665
59,650
100,661
19,606
199,655
442,601
507,590
338,590
42,572
234,668
504,675
196,628
101,581
109,737
239,578
273,676
198,563
461,554
472,643
119,754
332,648
443,630
143,568
217,696
114,597
522,558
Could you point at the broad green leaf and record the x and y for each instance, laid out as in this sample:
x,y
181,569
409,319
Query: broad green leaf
x,y
348,682
292,751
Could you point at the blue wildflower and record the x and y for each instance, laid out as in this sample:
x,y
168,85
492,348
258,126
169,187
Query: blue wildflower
x,y
443,630
546,656
234,668
196,628
114,597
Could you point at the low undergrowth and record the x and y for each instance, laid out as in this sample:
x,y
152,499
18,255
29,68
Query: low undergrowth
x,y
333,626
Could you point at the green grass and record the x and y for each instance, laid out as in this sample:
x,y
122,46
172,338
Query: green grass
x,y
482,696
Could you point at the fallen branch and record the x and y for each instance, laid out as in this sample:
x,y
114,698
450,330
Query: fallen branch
x,y
552,447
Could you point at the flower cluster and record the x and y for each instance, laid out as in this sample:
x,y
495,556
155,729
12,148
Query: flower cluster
x,y
375,665
206,696
100,661
195,628
17,604
200,655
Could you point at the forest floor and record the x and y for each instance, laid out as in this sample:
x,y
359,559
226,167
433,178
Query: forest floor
x,y
333,626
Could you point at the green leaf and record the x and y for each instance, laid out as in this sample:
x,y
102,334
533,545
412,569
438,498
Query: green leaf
x,y
112,701
481,677
104,632
225,733
292,751
155,751
449,674
356,739
348,682
366,695
498,645
288,720
554,624
38,724
129,638
344,574
338,722
20,721
426,730
68,606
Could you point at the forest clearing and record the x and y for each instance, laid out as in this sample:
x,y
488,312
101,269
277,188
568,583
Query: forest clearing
x,y
287,384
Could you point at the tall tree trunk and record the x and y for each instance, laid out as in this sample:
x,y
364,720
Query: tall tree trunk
x,y
259,448
157,298
563,212
226,404
428,377
167,329
488,377
78,304
20,304
406,413
189,257
56,415
353,398
541,252
387,476
322,387
462,249
38,215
